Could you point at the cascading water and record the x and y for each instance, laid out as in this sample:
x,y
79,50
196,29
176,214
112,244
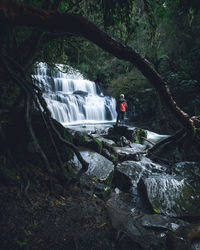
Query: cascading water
x,y
73,99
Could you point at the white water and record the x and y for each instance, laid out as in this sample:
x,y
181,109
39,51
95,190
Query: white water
x,y
73,99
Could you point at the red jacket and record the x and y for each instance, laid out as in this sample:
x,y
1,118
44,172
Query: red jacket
x,y
121,105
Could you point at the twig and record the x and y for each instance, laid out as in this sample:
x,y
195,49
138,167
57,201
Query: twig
x,y
145,139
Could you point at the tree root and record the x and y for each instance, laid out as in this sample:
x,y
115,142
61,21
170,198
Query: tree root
x,y
156,149
33,95
181,142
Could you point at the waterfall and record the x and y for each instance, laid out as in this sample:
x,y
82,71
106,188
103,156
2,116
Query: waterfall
x,y
73,99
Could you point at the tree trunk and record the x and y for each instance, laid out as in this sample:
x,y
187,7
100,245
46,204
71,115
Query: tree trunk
x,y
19,14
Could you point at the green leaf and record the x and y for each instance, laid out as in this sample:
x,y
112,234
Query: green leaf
x,y
156,210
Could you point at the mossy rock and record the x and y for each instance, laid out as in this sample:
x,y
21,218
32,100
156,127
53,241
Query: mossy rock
x,y
139,135
83,140
136,135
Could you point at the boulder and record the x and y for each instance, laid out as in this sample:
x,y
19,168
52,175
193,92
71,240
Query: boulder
x,y
130,232
189,171
99,166
161,222
82,139
172,197
132,134
128,173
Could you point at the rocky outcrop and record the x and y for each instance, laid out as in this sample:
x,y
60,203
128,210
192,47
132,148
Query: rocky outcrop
x,y
136,230
123,135
99,166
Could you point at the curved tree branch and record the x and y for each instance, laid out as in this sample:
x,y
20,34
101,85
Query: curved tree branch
x,y
19,14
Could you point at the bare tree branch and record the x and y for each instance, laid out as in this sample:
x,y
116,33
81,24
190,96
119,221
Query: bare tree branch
x,y
19,14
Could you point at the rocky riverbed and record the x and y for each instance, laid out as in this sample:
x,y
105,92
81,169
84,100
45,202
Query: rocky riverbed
x,y
152,205
124,201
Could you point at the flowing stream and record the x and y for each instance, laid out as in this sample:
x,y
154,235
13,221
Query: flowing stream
x,y
72,99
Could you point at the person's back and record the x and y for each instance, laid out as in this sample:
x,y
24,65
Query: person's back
x,y
121,108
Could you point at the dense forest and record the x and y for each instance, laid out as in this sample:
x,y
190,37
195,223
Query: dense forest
x,y
148,50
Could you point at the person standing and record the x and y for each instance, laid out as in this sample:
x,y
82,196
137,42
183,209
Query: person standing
x,y
121,108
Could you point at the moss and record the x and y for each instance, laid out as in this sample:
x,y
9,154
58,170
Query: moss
x,y
139,135
187,203
99,145
80,139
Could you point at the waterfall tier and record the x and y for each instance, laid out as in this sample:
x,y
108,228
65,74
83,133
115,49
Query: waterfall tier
x,y
73,99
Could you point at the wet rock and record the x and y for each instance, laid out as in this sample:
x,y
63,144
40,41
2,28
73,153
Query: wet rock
x,y
125,150
185,237
128,173
172,197
122,181
189,171
99,166
155,138
126,154
106,142
161,222
85,140
131,234
146,204
131,134
136,147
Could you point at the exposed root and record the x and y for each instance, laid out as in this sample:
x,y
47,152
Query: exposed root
x,y
156,149
33,96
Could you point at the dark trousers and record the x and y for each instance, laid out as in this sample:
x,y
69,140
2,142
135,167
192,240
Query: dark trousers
x,y
120,116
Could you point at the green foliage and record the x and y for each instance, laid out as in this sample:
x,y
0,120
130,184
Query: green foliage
x,y
139,135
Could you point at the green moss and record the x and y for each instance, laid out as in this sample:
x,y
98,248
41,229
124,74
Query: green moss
x,y
139,135
188,202
99,145
80,139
